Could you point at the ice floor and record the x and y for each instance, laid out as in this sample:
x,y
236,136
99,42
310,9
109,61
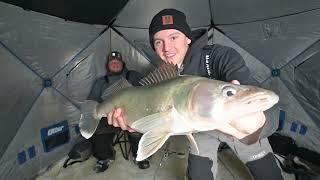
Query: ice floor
x,y
166,164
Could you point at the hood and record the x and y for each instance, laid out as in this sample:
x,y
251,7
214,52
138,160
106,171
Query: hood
x,y
199,40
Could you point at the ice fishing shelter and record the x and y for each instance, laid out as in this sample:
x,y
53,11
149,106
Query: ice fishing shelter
x,y
52,51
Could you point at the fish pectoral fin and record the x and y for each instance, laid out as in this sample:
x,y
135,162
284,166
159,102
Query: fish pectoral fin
x,y
193,144
159,120
150,142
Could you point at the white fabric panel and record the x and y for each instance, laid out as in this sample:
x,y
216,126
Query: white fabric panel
x,y
294,110
310,140
294,113
288,102
258,70
307,83
20,87
43,42
140,39
138,13
133,58
76,79
50,108
277,41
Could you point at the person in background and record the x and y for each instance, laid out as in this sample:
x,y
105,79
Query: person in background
x,y
102,139
172,39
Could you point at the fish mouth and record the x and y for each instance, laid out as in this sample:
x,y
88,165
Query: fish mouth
x,y
262,101
262,98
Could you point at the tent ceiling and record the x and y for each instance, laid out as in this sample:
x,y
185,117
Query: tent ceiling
x,y
234,12
199,13
138,14
91,12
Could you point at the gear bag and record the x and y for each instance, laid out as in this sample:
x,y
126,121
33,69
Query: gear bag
x,y
80,152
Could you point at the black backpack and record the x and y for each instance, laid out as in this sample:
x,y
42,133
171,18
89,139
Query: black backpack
x,y
297,160
80,152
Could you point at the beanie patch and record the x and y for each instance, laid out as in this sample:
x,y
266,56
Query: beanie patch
x,y
166,20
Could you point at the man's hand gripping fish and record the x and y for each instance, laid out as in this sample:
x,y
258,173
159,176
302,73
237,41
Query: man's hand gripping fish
x,y
181,105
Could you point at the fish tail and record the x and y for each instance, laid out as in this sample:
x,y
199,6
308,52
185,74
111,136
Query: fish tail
x,y
89,119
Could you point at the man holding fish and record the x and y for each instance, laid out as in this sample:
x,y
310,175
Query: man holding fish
x,y
102,139
172,39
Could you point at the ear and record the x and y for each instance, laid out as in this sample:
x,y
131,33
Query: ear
x,y
188,41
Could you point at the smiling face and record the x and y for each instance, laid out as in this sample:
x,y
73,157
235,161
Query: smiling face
x,y
171,45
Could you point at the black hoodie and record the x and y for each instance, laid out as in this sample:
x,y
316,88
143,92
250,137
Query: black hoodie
x,y
227,64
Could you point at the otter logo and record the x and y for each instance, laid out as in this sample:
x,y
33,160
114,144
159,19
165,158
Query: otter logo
x,y
55,130
55,135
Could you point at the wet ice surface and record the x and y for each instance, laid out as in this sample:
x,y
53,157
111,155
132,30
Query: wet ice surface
x,y
168,163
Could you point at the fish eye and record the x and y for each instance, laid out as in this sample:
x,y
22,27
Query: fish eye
x,y
228,91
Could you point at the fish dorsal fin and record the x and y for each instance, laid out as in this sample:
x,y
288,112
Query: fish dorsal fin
x,y
162,73
115,87
150,142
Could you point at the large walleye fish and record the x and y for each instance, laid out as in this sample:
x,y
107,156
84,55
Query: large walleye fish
x,y
179,106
